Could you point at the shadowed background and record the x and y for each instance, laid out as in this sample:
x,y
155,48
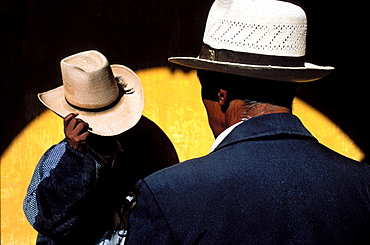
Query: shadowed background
x,y
142,34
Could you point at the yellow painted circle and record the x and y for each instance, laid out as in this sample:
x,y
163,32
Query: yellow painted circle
x,y
173,102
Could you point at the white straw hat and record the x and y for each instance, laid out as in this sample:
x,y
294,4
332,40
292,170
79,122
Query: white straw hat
x,y
257,38
109,98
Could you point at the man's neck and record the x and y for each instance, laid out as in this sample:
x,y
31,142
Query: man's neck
x,y
243,112
260,109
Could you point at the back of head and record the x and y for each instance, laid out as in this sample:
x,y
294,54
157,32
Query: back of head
x,y
251,90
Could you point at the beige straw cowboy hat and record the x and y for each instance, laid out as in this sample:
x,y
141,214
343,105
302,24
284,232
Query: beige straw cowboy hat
x,y
257,38
109,98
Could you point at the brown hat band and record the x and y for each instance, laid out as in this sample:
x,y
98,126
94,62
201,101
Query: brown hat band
x,y
224,55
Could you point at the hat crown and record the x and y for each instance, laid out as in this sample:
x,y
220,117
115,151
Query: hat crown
x,y
88,80
267,27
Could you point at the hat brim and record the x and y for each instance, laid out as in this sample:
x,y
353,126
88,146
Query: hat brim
x,y
309,72
113,121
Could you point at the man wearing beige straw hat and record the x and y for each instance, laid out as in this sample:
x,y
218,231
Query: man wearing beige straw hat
x,y
78,191
267,180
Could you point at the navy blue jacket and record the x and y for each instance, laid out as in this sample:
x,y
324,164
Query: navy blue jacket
x,y
268,182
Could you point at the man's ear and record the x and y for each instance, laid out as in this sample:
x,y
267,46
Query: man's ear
x,y
223,99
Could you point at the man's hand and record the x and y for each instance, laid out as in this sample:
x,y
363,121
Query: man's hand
x,y
76,133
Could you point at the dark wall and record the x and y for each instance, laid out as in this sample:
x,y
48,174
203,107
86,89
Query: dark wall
x,y
37,34
337,37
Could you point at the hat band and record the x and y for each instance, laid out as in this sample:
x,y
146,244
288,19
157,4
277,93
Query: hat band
x,y
224,55
100,109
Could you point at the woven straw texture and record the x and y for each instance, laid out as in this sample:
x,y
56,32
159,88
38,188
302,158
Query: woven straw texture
x,y
260,27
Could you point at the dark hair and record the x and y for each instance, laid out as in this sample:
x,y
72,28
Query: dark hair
x,y
247,88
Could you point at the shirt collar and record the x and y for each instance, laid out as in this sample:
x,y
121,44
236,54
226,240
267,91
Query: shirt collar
x,y
223,135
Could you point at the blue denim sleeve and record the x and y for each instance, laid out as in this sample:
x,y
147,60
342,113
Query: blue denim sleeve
x,y
61,183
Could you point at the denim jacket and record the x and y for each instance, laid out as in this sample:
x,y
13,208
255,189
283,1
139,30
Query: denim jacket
x,y
75,198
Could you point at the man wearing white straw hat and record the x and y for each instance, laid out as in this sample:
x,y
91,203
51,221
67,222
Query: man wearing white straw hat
x,y
78,191
267,180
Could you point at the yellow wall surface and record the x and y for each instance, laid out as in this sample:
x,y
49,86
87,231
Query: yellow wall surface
x,y
172,101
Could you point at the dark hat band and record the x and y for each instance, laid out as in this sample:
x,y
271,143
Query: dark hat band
x,y
223,55
104,108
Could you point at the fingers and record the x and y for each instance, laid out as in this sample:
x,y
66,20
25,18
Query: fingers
x,y
76,132
73,123
84,136
69,117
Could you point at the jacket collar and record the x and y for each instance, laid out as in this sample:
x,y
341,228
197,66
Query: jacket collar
x,y
266,125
